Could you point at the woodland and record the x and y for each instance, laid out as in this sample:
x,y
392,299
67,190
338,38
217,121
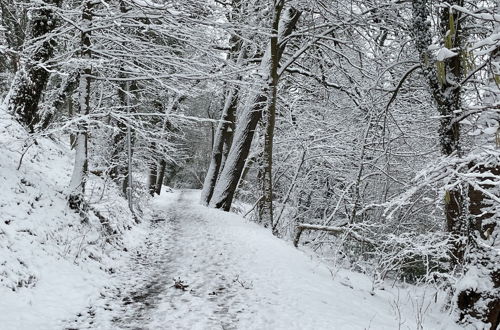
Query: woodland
x,y
365,131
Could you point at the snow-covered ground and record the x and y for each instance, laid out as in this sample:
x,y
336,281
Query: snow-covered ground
x,y
238,276
51,264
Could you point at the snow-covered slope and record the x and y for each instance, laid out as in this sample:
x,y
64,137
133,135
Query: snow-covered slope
x,y
50,262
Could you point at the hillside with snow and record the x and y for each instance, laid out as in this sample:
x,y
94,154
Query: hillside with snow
x,y
52,262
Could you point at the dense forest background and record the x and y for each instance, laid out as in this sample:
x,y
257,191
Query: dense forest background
x,y
366,130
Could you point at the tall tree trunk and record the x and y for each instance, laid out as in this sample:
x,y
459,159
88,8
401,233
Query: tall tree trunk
x,y
117,167
161,175
80,170
444,80
71,113
14,19
116,171
482,259
228,180
269,120
228,137
121,156
153,171
122,140
127,187
223,138
31,78
470,225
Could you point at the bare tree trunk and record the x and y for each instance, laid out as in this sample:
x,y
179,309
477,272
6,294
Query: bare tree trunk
x,y
444,81
31,78
228,180
80,170
226,185
269,120
153,172
117,167
152,180
123,140
229,132
71,113
116,171
128,187
482,261
222,140
119,171
161,175
469,224
482,302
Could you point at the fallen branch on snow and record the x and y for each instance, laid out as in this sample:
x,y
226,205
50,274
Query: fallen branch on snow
x,y
348,230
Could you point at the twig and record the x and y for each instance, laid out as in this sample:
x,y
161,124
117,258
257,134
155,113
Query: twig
x,y
22,155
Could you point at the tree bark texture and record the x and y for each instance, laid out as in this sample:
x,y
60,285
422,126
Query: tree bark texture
x,y
153,171
482,302
15,20
269,120
80,170
223,138
467,218
444,81
31,78
161,175
251,114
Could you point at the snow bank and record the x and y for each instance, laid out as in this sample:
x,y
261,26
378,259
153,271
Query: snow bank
x,y
51,264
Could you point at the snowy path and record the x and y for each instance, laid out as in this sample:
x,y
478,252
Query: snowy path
x,y
240,277
182,249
